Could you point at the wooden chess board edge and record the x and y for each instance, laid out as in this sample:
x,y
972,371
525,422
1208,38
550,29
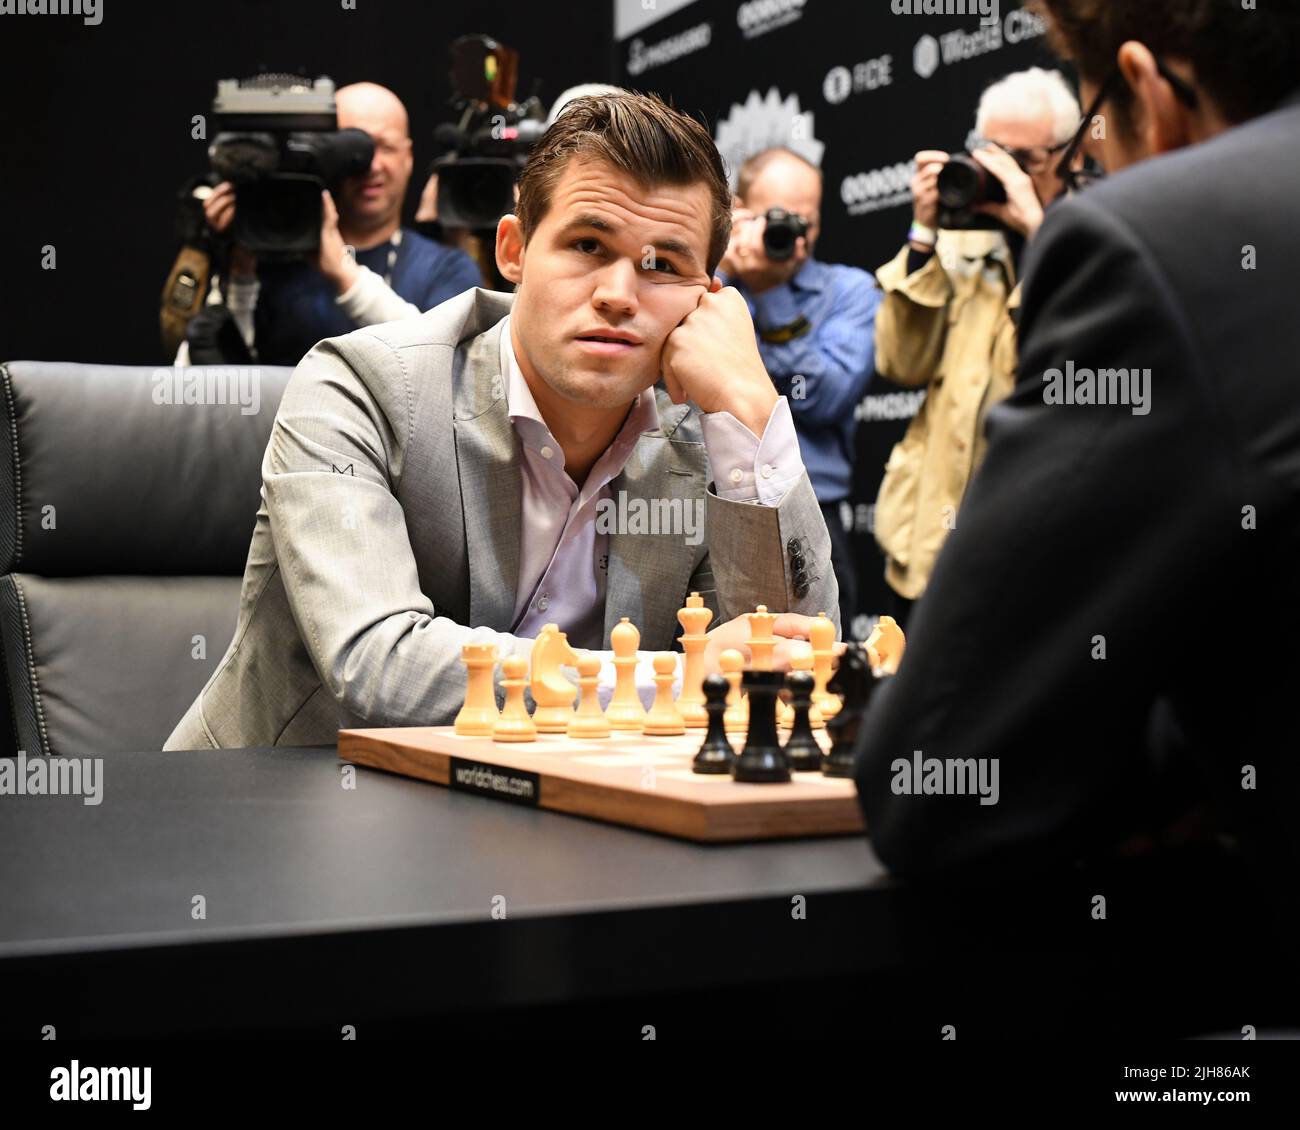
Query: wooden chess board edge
x,y
364,748
691,818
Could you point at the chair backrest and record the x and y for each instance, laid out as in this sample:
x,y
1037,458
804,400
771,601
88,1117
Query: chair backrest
x,y
127,501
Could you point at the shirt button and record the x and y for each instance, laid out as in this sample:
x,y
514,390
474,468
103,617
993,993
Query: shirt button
x,y
767,470
793,545
547,452
544,603
737,475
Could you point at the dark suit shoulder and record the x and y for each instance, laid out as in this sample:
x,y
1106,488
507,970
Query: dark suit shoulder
x,y
1197,209
1211,230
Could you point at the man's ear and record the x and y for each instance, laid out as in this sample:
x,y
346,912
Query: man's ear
x,y
1159,118
510,249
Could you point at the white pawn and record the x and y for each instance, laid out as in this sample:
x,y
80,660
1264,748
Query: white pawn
x,y
587,720
801,659
515,723
664,717
736,716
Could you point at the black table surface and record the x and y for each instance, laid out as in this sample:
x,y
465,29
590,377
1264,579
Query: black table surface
x,y
403,906
434,900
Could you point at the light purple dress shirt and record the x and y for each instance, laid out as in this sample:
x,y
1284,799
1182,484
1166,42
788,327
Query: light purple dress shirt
x,y
563,553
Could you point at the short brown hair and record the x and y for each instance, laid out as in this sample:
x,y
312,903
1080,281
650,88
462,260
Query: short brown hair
x,y
1245,60
639,134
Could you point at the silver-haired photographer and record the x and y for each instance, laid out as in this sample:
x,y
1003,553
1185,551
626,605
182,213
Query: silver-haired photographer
x,y
947,320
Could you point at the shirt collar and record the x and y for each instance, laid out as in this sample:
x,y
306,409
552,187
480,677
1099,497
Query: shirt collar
x,y
811,276
521,406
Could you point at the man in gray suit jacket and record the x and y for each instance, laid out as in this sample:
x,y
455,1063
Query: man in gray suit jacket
x,y
598,445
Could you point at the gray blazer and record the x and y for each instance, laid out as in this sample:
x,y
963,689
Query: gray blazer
x,y
389,529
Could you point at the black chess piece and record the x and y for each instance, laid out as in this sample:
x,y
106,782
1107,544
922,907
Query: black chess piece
x,y
801,748
855,680
762,761
716,754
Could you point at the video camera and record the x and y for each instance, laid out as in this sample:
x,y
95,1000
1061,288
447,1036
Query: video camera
x,y
485,151
279,143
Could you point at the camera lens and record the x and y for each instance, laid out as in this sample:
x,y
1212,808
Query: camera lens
x,y
781,234
961,183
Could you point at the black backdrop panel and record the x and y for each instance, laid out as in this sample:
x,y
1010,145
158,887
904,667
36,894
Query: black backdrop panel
x,y
858,90
96,135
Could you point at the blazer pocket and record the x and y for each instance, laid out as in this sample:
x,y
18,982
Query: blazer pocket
x,y
896,503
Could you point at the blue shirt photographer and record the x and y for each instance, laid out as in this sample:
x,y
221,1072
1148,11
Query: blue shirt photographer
x,y
821,326
297,306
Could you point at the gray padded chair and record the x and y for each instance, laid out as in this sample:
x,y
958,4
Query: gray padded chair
x,y
125,522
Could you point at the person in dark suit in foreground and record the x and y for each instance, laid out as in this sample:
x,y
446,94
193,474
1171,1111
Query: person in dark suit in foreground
x,y
1107,644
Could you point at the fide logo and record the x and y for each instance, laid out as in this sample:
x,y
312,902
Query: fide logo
x,y
926,56
838,85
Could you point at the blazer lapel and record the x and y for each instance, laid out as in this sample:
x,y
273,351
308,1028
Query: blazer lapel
x,y
490,482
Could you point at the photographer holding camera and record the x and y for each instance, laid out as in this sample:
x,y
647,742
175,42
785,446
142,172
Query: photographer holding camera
x,y
951,297
366,269
815,323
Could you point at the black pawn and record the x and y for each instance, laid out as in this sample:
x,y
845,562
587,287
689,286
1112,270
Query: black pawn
x,y
716,754
801,748
762,761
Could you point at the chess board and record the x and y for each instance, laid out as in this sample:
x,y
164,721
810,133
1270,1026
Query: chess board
x,y
629,779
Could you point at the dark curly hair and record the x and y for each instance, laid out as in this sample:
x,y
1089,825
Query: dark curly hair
x,y
1246,60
